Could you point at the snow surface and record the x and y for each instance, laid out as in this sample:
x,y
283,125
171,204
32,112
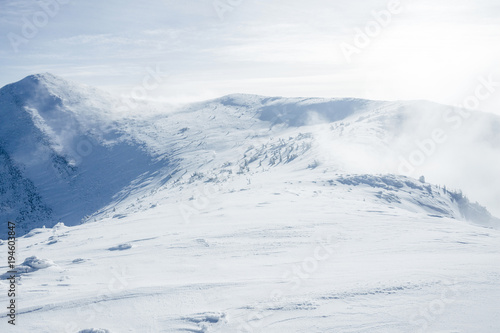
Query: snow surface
x,y
241,214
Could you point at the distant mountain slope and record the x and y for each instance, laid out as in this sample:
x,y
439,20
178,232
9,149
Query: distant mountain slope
x,y
80,155
62,139
450,146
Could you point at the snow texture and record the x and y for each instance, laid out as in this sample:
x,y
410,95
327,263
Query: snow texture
x,y
246,214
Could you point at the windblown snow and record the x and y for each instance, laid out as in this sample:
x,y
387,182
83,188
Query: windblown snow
x,y
248,213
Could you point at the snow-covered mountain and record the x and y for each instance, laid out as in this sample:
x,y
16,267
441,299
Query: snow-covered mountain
x,y
230,196
77,155
60,141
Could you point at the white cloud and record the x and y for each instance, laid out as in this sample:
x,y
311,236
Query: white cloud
x,y
429,51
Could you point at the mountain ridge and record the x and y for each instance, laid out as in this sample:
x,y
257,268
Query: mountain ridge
x,y
83,156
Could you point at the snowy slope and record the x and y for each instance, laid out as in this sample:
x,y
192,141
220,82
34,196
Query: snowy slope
x,y
245,214
19,198
65,141
81,154
246,133
289,252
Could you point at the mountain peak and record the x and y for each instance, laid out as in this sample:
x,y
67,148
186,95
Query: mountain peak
x,y
42,87
45,79
42,77
45,91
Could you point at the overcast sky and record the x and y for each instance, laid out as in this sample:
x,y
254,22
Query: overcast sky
x,y
433,50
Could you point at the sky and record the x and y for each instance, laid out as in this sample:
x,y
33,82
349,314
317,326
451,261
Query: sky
x,y
191,50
